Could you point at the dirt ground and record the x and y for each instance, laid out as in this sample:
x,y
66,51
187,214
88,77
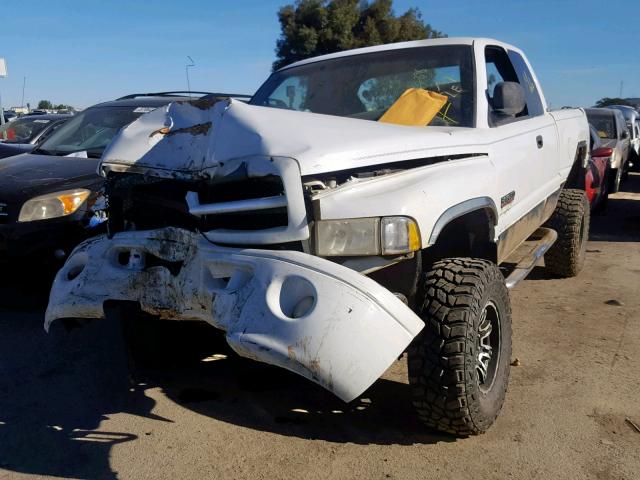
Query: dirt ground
x,y
66,409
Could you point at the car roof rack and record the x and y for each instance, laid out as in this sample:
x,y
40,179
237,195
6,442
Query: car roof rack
x,y
181,92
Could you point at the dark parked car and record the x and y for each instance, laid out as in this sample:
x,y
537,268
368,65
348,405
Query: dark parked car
x,y
23,134
51,198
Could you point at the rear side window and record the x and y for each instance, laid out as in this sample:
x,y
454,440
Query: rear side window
x,y
604,123
534,102
621,124
499,68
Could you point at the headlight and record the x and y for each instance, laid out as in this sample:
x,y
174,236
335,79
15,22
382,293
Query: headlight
x,y
52,205
366,236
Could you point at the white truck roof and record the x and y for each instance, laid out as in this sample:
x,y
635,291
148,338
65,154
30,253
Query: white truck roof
x,y
399,45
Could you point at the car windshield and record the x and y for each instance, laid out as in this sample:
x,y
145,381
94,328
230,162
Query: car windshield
x,y
604,123
23,130
90,131
364,86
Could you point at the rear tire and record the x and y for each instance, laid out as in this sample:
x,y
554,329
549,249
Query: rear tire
x,y
571,220
459,364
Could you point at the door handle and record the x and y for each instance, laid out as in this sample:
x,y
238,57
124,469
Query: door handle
x,y
539,141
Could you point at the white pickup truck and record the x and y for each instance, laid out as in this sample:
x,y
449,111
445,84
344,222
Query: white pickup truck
x,y
327,231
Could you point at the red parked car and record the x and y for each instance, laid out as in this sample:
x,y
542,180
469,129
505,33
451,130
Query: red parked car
x,y
597,176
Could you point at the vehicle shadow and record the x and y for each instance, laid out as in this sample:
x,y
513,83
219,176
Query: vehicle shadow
x,y
55,391
620,220
24,287
266,398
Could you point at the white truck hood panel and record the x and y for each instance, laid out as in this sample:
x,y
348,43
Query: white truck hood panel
x,y
196,138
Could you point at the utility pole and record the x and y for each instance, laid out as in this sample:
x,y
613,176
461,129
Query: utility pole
x,y
3,74
24,82
621,85
186,69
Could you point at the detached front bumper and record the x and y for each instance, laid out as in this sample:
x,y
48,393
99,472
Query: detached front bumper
x,y
321,320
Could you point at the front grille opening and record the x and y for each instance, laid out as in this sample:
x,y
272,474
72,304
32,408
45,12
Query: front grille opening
x,y
246,221
143,203
246,189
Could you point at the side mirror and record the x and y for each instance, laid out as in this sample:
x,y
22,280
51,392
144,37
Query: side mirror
x,y
625,134
508,99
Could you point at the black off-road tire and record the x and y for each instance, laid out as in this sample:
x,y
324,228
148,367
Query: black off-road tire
x,y
571,220
448,392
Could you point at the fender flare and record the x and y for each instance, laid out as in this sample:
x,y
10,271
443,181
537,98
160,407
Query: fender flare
x,y
460,209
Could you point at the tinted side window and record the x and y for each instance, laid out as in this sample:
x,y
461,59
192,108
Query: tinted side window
x,y
499,69
534,103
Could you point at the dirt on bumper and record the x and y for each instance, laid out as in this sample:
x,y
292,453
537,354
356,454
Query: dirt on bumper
x,y
323,321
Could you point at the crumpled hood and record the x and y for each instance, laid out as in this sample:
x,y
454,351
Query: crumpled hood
x,y
197,138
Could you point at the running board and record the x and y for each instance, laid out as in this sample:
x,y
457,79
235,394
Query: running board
x,y
529,253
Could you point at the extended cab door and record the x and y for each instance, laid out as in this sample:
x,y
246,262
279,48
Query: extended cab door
x,y
525,152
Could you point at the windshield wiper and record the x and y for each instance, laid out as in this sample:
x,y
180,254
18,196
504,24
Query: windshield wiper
x,y
40,151
58,153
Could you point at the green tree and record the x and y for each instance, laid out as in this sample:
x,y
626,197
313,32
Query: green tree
x,y
606,101
317,27
45,105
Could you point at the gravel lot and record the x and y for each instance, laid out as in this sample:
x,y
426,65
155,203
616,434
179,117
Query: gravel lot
x,y
67,410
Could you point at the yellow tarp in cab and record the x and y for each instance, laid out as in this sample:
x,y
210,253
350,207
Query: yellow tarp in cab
x,y
415,107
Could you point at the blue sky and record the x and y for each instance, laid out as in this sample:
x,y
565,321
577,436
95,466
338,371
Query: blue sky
x,y
83,52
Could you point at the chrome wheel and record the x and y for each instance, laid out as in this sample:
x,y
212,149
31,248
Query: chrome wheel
x,y
488,346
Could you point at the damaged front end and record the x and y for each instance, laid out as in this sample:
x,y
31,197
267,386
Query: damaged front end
x,y
321,320
210,224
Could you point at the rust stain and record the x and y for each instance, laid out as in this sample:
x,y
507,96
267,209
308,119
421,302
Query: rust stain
x,y
314,366
291,353
198,129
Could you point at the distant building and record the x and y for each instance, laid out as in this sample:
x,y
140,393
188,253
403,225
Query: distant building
x,y
20,110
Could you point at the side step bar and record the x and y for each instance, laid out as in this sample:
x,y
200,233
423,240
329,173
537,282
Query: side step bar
x,y
530,253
